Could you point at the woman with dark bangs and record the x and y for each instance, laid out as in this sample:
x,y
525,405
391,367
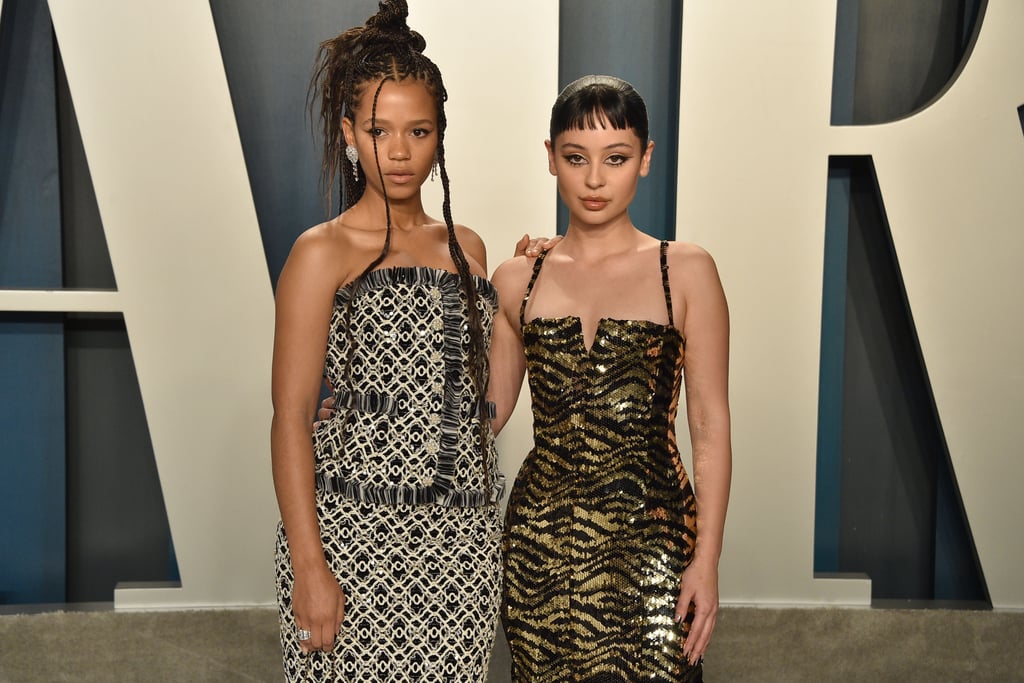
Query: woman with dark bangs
x,y
611,556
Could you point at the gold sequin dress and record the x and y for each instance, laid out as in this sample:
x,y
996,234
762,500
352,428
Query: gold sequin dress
x,y
601,521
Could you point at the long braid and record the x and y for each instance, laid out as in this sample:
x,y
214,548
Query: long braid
x,y
381,50
358,280
478,361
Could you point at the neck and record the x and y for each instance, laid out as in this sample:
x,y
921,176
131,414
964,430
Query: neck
x,y
597,241
406,214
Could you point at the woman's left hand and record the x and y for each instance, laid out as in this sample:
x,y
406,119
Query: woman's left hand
x,y
699,586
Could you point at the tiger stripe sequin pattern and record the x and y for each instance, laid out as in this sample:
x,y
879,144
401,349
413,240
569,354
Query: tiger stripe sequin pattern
x,y
601,521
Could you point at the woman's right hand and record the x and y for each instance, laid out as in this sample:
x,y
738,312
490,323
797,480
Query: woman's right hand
x,y
533,246
318,605
326,411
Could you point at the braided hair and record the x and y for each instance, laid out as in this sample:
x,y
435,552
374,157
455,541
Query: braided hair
x,y
386,49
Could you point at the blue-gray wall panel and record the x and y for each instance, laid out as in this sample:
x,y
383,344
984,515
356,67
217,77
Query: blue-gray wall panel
x,y
29,183
640,42
117,522
887,500
268,48
32,484
31,346
830,382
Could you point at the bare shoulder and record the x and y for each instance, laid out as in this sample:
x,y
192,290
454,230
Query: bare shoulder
x,y
695,283
690,262
472,246
316,244
324,252
681,252
515,271
467,236
511,278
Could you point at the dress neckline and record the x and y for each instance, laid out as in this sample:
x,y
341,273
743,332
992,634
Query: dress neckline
x,y
668,329
415,274
663,257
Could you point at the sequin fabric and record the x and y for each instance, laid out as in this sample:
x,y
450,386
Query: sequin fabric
x,y
601,521
406,507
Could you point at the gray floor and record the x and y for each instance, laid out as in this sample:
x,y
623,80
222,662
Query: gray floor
x,y
751,644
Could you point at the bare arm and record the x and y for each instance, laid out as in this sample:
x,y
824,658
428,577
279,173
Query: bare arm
x,y
508,360
304,299
706,366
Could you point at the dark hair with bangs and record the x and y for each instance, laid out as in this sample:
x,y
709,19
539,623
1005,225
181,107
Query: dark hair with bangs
x,y
587,102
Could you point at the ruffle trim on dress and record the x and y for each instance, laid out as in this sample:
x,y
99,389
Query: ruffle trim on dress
x,y
409,495
374,402
418,275
369,402
441,489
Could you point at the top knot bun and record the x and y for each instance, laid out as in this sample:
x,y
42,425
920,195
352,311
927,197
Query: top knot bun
x,y
389,25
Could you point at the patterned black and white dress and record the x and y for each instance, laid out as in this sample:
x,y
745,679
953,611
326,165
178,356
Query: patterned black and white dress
x,y
407,507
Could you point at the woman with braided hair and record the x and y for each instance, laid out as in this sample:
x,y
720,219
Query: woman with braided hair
x,y
388,561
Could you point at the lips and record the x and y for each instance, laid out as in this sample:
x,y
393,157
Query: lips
x,y
399,178
594,203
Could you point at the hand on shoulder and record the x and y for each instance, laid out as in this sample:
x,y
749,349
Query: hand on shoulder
x,y
533,246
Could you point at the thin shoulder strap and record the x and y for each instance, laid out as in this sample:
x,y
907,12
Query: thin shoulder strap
x,y
529,288
664,281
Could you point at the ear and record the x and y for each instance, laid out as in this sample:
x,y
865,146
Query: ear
x,y
645,160
348,131
551,158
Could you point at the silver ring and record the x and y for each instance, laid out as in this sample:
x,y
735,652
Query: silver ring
x,y
303,634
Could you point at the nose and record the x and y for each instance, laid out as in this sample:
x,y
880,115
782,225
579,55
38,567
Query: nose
x,y
595,176
399,149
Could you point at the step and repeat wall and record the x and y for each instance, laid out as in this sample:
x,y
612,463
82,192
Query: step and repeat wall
x,y
157,163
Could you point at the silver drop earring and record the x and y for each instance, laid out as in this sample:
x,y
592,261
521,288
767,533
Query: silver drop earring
x,y
352,154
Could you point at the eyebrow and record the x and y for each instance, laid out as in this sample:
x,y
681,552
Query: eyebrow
x,y
420,122
614,145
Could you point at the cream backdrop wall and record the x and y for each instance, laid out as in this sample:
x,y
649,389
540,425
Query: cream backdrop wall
x,y
170,179
755,141
152,101
501,86
193,285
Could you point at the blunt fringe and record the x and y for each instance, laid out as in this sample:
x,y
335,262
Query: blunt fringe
x,y
588,102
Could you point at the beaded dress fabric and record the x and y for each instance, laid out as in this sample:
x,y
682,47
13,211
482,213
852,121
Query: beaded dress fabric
x,y
601,521
407,508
